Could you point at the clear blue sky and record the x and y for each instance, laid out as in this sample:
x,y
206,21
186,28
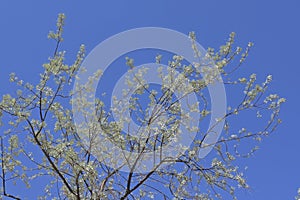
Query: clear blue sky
x,y
274,27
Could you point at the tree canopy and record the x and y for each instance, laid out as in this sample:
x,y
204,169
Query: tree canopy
x,y
40,138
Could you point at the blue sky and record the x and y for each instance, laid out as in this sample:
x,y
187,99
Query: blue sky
x,y
273,26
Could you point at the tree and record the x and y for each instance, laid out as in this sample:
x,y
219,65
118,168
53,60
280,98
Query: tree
x,y
42,139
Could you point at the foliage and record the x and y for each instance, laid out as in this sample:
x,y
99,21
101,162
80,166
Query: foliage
x,y
298,195
41,139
